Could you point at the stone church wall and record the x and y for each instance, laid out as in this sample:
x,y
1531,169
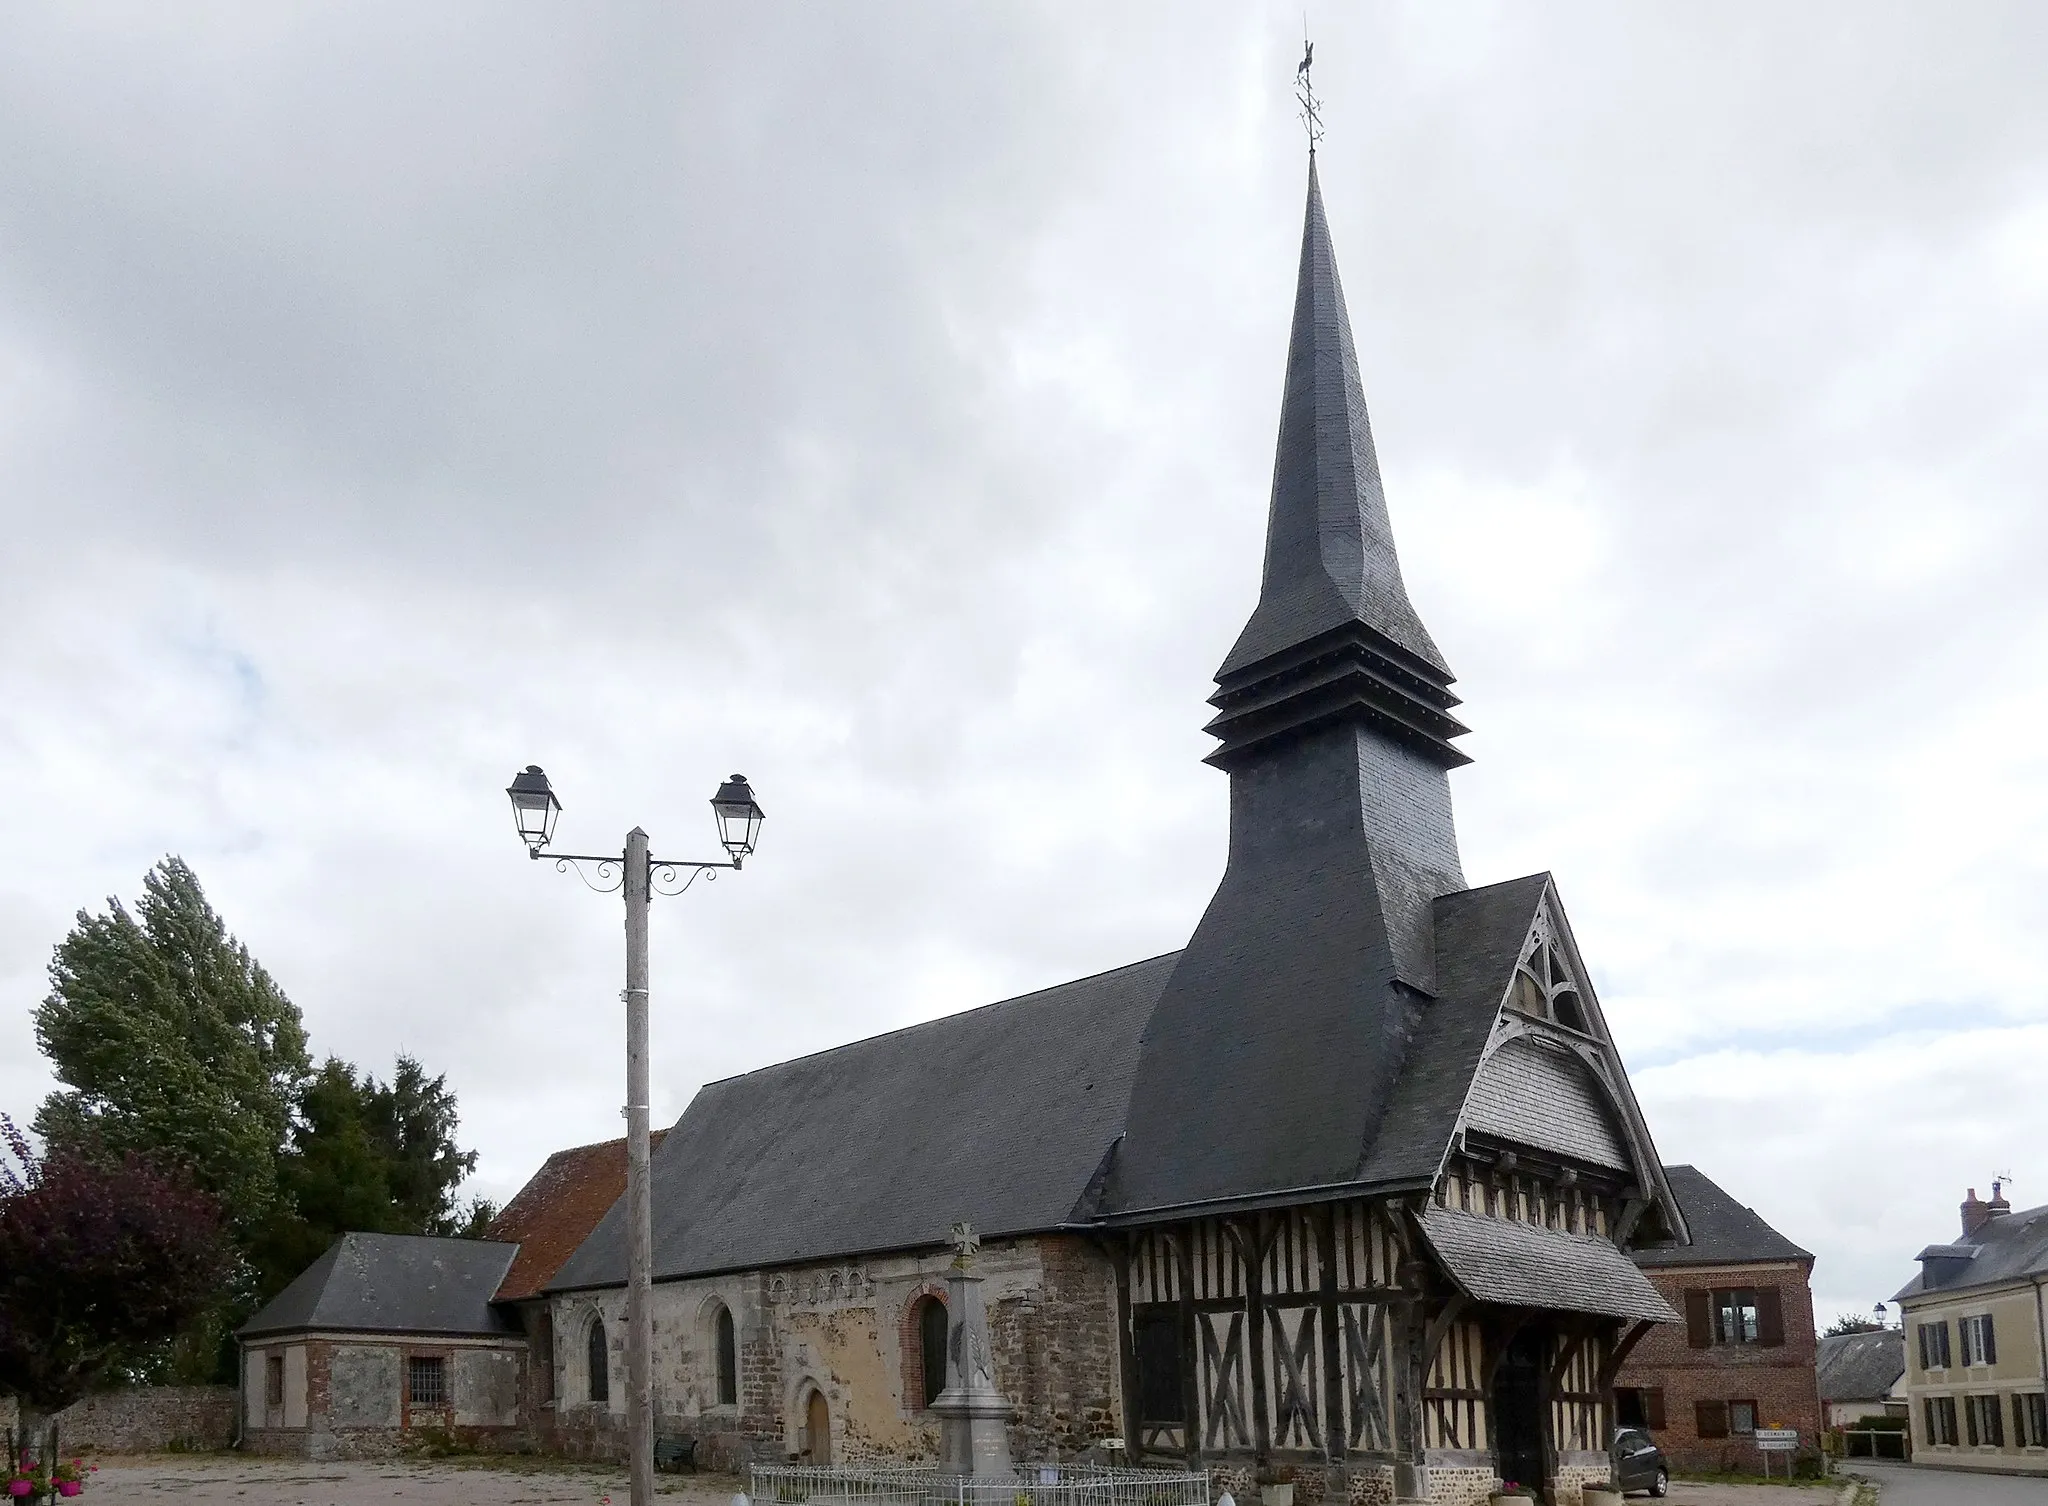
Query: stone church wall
x,y
847,1331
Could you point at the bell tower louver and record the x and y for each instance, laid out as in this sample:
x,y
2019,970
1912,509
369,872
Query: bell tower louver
x,y
1267,1063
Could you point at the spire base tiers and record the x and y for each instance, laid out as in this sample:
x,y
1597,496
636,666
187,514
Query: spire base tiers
x,y
1351,673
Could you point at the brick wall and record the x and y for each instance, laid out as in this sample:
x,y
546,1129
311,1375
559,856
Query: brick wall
x,y
1779,1378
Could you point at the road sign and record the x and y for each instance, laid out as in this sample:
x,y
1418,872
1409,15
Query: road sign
x,y
1778,1440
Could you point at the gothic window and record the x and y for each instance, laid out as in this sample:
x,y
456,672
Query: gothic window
x,y
597,1356
931,1347
1544,986
728,1360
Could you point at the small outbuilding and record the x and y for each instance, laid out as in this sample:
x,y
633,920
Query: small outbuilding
x,y
385,1336
1862,1375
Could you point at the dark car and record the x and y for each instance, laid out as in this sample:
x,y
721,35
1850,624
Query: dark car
x,y
1639,1463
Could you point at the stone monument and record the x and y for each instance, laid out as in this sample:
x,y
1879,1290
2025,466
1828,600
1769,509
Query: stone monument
x,y
974,1436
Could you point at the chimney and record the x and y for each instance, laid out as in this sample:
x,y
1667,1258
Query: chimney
x,y
1998,1207
1977,1214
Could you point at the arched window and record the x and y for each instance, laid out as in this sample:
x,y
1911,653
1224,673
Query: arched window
x,y
600,1360
931,1335
728,1361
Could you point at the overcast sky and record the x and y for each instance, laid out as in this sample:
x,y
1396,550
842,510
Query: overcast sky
x,y
880,401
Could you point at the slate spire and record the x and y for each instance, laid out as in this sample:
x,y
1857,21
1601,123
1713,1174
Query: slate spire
x,y
1332,581
1273,1051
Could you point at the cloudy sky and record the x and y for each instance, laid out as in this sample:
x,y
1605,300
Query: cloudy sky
x,y
880,401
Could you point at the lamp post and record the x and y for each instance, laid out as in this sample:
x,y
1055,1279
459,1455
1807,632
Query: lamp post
x,y
641,876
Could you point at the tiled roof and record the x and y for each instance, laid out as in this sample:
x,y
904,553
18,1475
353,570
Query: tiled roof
x,y
2011,1247
1502,1260
1861,1366
1724,1232
556,1210
393,1283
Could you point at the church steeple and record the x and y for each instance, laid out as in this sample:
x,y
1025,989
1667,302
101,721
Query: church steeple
x,y
1334,632
1269,1060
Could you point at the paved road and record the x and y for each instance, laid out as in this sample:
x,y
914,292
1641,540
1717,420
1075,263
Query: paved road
x,y
1905,1485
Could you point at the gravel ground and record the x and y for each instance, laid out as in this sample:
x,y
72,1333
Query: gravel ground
x,y
175,1478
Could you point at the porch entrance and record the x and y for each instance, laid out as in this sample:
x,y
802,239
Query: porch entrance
x,y
1518,1410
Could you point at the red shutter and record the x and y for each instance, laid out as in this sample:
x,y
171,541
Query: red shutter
x,y
1698,1332
1653,1407
1770,1317
1713,1418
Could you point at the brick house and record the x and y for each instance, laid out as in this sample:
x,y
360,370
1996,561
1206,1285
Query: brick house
x,y
1745,1357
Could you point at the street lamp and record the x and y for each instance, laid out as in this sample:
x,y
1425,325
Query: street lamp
x,y
641,876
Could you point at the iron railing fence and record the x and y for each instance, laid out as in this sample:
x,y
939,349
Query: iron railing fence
x,y
926,1485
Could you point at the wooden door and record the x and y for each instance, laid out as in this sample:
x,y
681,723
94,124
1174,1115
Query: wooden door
x,y
818,1429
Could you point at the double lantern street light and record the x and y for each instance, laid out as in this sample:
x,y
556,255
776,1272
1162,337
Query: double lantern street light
x,y
641,876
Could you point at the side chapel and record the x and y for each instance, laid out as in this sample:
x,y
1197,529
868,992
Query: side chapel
x,y
1347,1185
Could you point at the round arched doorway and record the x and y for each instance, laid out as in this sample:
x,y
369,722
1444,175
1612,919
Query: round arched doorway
x,y
817,1429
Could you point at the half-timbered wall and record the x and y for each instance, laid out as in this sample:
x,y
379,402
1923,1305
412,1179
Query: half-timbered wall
x,y
1454,1411
1284,1319
1578,1403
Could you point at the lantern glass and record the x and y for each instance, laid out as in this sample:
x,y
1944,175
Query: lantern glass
x,y
739,817
534,807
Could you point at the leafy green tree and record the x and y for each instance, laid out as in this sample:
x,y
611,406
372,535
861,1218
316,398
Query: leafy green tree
x,y
173,1043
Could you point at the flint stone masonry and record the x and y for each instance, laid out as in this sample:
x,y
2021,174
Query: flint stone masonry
x,y
142,1419
838,1330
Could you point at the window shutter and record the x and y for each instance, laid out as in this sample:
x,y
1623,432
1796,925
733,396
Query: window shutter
x,y
1697,1314
1713,1418
1653,1407
1770,1317
1970,1418
1990,1338
1941,1341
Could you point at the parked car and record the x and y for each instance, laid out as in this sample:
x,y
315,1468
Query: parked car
x,y
1639,1463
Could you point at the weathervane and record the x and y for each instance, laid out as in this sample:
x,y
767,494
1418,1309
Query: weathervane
x,y
1311,107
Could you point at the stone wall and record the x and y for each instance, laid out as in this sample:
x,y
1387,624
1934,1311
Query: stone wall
x,y
142,1419
845,1331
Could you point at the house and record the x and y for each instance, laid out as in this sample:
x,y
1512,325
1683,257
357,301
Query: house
x,y
1347,1184
389,1335
385,1336
1976,1373
1745,1357
1862,1375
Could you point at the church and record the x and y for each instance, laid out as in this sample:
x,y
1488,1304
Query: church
x,y
1341,1193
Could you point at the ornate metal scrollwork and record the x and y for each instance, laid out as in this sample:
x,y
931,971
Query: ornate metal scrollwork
x,y
611,872
666,878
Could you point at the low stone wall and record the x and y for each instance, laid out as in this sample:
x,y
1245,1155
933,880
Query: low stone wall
x,y
142,1419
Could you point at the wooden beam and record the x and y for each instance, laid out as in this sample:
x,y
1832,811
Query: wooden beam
x,y
1126,1348
1336,1426
1621,1351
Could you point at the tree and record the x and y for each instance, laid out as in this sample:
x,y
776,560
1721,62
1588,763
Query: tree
x,y
174,1043
98,1258
1850,1323
369,1156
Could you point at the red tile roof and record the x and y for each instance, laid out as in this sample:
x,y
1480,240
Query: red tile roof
x,y
556,1210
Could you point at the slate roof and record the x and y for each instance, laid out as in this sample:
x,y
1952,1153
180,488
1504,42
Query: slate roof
x,y
1724,1232
1479,934
556,1210
1861,1366
1501,1260
1001,1116
1330,557
2011,1247
394,1283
